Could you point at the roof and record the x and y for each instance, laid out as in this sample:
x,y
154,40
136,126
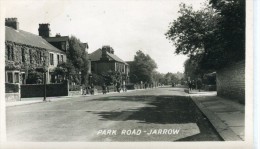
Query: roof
x,y
96,55
23,37
57,39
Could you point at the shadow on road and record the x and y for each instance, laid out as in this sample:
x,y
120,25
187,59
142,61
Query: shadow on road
x,y
163,110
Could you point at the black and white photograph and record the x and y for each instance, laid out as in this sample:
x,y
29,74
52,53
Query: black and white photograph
x,y
108,71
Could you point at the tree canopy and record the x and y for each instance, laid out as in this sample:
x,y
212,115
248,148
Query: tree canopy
x,y
76,66
211,35
141,68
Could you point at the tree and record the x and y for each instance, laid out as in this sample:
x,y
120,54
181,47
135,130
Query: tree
x,y
157,77
142,68
193,31
77,61
112,77
231,27
170,78
210,36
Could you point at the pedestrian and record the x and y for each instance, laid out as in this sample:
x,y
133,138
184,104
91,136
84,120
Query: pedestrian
x,y
118,85
104,88
124,86
199,84
92,89
190,85
87,90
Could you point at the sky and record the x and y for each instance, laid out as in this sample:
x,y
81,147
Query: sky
x,y
127,26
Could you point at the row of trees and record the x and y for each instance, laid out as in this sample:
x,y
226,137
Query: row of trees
x,y
211,37
143,69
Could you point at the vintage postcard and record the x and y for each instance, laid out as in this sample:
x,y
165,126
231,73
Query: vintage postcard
x,y
126,74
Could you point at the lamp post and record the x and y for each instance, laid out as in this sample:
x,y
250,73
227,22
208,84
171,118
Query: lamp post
x,y
44,79
44,96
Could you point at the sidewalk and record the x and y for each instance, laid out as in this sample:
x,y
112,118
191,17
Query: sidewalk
x,y
33,100
227,116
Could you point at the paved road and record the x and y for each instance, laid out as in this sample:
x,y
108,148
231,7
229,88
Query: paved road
x,y
161,114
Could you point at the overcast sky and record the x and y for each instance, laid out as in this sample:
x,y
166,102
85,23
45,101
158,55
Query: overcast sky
x,y
127,26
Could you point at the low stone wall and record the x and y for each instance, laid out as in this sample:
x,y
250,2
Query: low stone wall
x,y
12,97
75,93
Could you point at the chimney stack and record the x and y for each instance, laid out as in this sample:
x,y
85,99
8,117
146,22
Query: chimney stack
x,y
12,22
44,30
104,50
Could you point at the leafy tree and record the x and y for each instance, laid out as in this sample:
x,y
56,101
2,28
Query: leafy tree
x,y
170,78
193,31
210,36
157,77
231,27
77,61
34,77
111,77
142,68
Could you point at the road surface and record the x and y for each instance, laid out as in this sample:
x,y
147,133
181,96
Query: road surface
x,y
161,114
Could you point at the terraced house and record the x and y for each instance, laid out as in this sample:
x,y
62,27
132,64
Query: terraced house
x,y
27,54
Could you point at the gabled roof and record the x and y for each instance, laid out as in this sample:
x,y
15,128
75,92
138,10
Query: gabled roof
x,y
96,55
26,38
57,39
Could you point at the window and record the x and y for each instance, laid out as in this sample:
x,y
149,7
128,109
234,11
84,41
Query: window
x,y
23,55
62,58
58,58
40,58
10,53
51,59
23,78
16,77
30,55
10,77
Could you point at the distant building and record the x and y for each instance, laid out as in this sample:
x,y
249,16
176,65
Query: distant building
x,y
25,51
104,59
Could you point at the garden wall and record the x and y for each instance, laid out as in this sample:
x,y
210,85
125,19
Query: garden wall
x,y
37,90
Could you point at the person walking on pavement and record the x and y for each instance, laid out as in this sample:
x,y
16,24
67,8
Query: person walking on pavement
x,y
199,84
104,88
118,85
92,89
190,85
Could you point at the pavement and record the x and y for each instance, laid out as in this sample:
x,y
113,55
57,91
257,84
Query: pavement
x,y
226,115
33,100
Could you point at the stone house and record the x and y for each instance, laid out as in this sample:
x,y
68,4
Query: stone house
x,y
25,52
104,59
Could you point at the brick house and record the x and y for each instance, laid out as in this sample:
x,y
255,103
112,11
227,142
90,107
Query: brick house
x,y
104,59
25,51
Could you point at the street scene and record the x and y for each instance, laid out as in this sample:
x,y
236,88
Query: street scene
x,y
111,71
91,118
